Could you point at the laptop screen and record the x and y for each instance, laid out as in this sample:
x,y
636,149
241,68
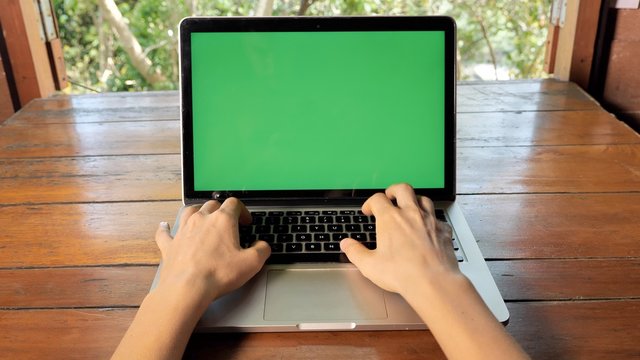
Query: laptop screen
x,y
317,110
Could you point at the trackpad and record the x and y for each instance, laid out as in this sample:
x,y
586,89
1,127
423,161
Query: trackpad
x,y
320,295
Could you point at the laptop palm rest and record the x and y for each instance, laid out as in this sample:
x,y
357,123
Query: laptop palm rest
x,y
313,297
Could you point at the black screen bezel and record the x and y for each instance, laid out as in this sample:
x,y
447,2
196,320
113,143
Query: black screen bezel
x,y
284,24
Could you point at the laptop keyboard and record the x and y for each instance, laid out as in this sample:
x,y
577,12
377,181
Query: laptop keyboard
x,y
314,235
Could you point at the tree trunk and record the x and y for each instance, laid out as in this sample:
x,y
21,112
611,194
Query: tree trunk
x,y
264,8
130,43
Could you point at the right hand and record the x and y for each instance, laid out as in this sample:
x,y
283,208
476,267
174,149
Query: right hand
x,y
411,242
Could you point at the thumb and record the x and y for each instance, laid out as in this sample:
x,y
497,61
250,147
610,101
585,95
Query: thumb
x,y
163,237
258,252
357,253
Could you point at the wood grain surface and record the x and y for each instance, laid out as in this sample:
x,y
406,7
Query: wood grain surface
x,y
548,181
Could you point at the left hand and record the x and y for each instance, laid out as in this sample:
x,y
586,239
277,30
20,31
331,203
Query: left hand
x,y
205,257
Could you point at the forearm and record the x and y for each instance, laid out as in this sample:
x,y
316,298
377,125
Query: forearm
x,y
162,326
460,321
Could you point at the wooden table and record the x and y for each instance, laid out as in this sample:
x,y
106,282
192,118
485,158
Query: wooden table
x,y
549,182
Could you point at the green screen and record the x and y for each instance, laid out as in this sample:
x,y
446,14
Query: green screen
x,y
317,110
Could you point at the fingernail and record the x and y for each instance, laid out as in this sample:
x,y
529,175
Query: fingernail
x,y
164,225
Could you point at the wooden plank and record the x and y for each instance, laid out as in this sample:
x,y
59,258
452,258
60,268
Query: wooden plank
x,y
546,330
162,137
549,169
554,226
522,280
82,234
545,169
94,115
542,128
506,227
627,25
90,179
566,39
622,85
50,288
537,95
6,102
578,279
117,138
577,330
584,42
543,95
109,101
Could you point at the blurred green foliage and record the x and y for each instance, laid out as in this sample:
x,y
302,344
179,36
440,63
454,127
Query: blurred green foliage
x,y
506,36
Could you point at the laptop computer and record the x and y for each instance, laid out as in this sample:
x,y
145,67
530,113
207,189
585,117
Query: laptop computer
x,y
304,118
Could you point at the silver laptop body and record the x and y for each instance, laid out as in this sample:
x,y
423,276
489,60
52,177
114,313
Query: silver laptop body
x,y
308,291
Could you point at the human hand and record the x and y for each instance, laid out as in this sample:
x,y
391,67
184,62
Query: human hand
x,y
411,242
205,256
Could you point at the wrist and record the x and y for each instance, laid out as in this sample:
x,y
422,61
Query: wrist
x,y
434,287
192,291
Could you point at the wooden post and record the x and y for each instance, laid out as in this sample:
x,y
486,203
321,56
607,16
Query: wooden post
x,y
27,49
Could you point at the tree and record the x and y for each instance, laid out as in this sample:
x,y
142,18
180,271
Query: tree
x,y
134,45
130,43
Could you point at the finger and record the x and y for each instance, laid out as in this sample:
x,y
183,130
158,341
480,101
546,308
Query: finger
x,y
376,203
209,207
357,253
404,195
186,213
163,237
237,210
427,205
445,233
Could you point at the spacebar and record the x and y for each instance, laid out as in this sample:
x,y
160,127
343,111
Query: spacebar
x,y
289,258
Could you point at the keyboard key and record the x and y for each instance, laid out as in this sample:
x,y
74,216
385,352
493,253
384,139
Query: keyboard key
x,y
312,212
321,237
372,236
339,236
369,227
257,220
262,229
277,248
312,247
272,220
456,246
294,213
329,212
347,212
459,258
293,247
303,237
335,228
298,228
342,219
267,237
280,229
325,219
371,245
353,227
331,246
276,213
282,238
316,228
245,229
360,219
289,220
258,213
308,219
359,236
